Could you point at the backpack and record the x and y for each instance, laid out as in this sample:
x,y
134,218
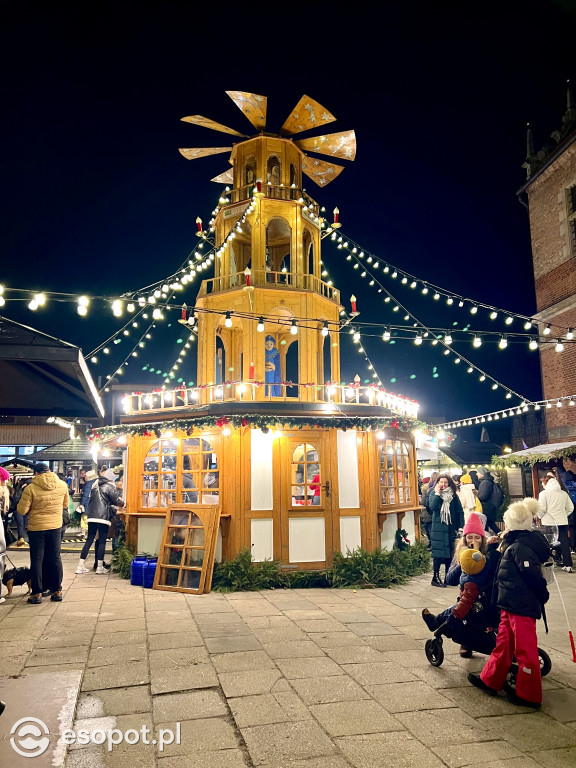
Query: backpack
x,y
497,496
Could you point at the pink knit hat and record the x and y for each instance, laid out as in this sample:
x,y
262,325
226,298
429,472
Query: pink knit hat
x,y
474,525
4,474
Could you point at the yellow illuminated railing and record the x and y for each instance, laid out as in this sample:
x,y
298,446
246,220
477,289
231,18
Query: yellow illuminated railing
x,y
260,277
255,391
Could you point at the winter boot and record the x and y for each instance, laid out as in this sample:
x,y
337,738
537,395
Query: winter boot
x,y
430,619
436,580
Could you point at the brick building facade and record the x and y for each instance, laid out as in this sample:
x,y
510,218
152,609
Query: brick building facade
x,y
550,195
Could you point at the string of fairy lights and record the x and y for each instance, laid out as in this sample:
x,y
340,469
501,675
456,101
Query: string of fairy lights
x,y
423,331
438,293
555,402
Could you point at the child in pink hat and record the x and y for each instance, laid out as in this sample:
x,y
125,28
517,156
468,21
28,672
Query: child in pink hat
x,y
472,585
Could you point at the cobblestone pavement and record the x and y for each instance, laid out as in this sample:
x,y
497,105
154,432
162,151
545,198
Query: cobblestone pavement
x,y
302,679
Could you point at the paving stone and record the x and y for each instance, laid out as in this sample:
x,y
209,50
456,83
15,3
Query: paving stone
x,y
374,673
297,649
461,755
257,710
192,705
476,703
440,727
232,644
345,718
407,697
393,750
314,667
242,661
248,683
110,639
292,704
44,669
56,639
178,658
168,679
103,656
372,629
560,704
308,614
280,634
554,758
116,676
323,690
333,639
321,625
359,654
531,732
224,758
76,654
90,724
201,736
114,701
257,608
120,625
276,744
92,757
167,640
237,629
169,625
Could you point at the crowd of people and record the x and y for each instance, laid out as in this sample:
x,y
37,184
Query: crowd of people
x,y
40,506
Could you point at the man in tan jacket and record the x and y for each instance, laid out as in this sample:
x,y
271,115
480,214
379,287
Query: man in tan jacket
x,y
44,501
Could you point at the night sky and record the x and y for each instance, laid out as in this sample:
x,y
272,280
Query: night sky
x,y
97,199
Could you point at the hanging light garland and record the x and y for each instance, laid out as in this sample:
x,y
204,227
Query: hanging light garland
x,y
554,402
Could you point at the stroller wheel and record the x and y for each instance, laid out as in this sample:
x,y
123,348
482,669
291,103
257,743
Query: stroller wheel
x,y
545,662
434,651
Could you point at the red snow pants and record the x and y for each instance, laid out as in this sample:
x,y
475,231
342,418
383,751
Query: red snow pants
x,y
516,637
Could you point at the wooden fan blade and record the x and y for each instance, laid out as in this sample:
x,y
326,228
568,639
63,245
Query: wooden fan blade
x,y
335,144
252,105
195,152
320,171
306,114
207,123
225,178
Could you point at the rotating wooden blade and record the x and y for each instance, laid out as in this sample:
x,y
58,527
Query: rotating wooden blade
x,y
335,144
225,178
320,171
195,152
252,105
205,122
306,114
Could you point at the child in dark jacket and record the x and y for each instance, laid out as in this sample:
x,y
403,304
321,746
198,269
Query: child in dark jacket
x,y
522,592
473,569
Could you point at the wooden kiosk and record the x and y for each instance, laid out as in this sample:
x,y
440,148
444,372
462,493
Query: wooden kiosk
x,y
297,466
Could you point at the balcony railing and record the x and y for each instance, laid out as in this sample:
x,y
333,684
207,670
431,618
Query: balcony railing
x,y
185,398
260,277
274,191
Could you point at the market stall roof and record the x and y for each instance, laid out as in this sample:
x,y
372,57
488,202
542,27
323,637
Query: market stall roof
x,y
74,449
18,467
537,453
44,376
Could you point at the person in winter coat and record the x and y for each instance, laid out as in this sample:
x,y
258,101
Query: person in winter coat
x,y
486,495
522,592
426,515
469,498
4,506
474,606
44,500
21,520
447,519
104,498
554,506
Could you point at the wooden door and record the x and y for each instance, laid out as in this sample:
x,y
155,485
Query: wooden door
x,y
306,499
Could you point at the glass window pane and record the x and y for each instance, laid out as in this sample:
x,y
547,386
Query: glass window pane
x,y
150,465
169,577
194,558
191,445
210,480
167,498
195,520
383,495
169,461
149,482
168,481
191,579
150,499
210,498
176,535
196,537
190,496
179,518
172,556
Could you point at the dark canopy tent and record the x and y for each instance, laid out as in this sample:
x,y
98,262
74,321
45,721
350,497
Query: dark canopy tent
x,y
44,376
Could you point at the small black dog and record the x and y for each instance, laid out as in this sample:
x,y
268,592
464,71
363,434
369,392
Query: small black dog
x,y
16,577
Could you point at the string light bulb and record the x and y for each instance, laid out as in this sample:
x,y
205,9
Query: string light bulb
x,y
293,328
324,330
570,334
228,320
533,344
559,346
386,335
503,343
547,330
477,341
260,326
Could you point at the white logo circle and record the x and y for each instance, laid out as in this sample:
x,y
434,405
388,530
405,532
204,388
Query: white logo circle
x,y
29,740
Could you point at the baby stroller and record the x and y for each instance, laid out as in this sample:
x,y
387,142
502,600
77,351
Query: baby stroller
x,y
463,632
550,533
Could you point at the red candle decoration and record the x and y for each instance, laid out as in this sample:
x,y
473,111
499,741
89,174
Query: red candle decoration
x,y
336,215
247,274
353,302
184,311
251,371
259,185
199,224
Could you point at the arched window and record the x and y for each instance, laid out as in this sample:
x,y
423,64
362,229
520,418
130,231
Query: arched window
x,y
306,476
200,475
159,477
395,472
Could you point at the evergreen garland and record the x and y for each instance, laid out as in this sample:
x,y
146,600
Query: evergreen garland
x,y
534,458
